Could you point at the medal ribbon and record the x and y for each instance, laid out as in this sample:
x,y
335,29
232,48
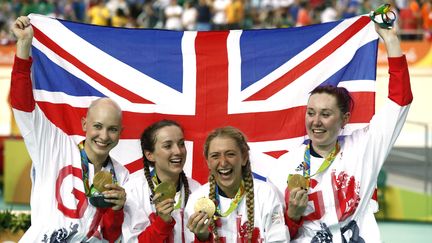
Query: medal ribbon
x,y
156,182
85,169
325,164
234,203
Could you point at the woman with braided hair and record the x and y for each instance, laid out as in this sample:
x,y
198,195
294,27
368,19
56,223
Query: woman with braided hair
x,y
148,217
241,216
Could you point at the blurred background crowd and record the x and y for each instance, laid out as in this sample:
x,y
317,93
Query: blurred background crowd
x,y
414,17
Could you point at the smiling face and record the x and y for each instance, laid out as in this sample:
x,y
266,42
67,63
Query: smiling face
x,y
169,154
225,161
102,127
324,121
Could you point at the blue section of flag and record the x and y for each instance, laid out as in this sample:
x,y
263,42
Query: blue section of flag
x,y
51,77
156,53
262,51
258,176
359,67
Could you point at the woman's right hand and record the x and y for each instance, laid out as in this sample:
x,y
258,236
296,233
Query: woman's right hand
x,y
199,225
164,208
23,31
298,199
22,28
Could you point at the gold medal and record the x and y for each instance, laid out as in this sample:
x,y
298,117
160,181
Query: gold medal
x,y
297,180
101,179
204,204
166,189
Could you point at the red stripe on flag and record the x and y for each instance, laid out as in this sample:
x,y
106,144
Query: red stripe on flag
x,y
212,94
276,154
135,166
287,123
310,62
112,86
254,125
364,107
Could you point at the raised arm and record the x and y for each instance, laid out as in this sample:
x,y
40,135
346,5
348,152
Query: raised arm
x,y
399,84
21,87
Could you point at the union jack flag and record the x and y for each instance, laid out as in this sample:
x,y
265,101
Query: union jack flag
x,y
256,80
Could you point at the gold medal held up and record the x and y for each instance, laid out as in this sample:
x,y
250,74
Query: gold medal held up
x,y
204,204
101,179
297,180
167,189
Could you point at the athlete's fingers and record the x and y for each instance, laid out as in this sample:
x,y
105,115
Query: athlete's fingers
x,y
197,221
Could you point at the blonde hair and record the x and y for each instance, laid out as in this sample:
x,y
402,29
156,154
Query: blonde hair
x,y
241,141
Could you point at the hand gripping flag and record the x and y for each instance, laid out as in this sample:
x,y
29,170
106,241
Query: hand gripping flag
x,y
256,80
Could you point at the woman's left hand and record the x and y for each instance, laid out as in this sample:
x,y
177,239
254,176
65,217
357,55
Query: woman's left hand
x,y
391,41
198,224
116,195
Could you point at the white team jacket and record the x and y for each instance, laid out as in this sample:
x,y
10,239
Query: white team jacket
x,y
59,207
138,208
268,210
342,193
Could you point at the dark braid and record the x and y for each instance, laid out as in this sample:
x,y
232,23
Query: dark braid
x,y
186,186
148,176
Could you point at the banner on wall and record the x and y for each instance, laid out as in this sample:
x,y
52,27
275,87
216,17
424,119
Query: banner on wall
x,y
418,53
17,164
397,204
7,54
